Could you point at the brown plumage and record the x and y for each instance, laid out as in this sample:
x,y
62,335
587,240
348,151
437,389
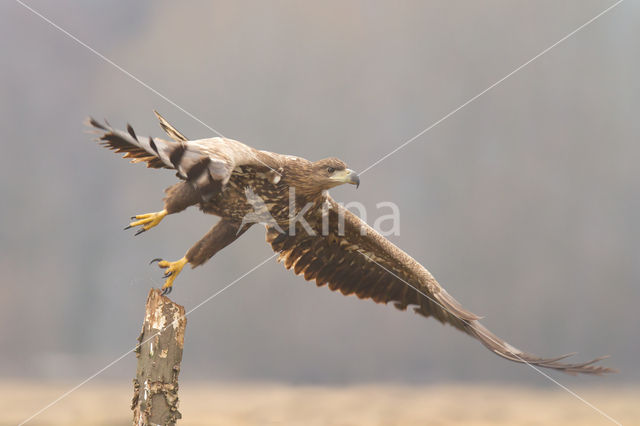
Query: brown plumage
x,y
329,245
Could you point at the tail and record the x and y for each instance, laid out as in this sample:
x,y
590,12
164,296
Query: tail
x,y
505,350
157,153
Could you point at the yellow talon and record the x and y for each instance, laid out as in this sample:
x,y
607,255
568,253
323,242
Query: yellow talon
x,y
148,220
172,269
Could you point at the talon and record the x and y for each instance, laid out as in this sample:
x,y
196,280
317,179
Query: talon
x,y
147,220
157,259
172,269
127,227
140,231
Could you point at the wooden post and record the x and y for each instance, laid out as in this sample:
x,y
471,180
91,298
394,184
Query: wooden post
x,y
159,353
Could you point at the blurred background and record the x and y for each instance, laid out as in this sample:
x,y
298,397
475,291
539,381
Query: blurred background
x,y
524,204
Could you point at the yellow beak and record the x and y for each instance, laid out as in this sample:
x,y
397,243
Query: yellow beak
x,y
346,176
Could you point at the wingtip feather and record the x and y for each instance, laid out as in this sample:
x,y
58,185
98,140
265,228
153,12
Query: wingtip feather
x,y
505,350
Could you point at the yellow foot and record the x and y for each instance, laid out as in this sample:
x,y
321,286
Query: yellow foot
x,y
147,221
172,269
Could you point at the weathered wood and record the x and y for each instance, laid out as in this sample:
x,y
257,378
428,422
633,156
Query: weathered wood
x,y
159,353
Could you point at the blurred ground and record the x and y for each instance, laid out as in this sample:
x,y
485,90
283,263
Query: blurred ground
x,y
262,404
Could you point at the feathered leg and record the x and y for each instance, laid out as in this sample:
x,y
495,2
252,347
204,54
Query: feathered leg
x,y
221,235
179,197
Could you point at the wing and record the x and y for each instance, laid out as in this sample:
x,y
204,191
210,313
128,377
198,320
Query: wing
x,y
206,163
169,129
355,259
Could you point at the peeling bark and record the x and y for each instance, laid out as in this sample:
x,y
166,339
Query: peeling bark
x,y
159,353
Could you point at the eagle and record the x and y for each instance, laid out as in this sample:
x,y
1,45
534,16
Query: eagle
x,y
312,234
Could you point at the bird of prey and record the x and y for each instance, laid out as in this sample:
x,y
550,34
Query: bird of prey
x,y
313,234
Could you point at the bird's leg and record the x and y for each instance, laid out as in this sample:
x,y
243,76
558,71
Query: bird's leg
x,y
179,197
221,235
147,221
172,269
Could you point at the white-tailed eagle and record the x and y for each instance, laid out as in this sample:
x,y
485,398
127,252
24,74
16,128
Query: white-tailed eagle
x,y
314,235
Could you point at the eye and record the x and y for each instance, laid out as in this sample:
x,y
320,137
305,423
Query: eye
x,y
331,169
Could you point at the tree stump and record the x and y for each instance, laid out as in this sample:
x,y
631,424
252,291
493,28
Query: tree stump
x,y
159,353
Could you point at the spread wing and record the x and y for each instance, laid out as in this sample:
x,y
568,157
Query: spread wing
x,y
206,163
354,259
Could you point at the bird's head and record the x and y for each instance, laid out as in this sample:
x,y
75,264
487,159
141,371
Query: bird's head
x,y
310,179
331,172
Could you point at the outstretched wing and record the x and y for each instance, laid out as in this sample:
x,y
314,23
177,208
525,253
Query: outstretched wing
x,y
206,163
354,259
139,149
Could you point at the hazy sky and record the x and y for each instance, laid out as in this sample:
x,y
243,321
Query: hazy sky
x,y
524,204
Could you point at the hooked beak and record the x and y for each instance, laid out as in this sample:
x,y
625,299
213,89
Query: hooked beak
x,y
347,176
